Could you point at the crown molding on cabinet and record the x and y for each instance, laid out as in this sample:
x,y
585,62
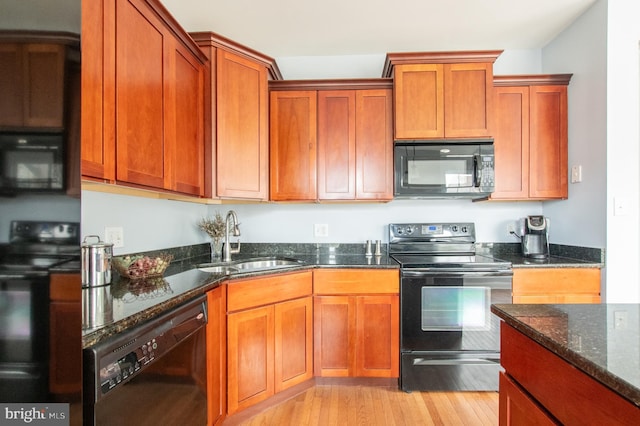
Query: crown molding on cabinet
x,y
332,84
216,40
455,57
532,80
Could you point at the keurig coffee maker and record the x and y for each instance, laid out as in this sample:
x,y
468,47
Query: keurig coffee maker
x,y
534,236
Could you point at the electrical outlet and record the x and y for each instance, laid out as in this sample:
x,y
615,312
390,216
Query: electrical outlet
x,y
511,228
114,235
321,230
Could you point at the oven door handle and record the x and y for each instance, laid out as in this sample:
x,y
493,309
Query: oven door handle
x,y
430,272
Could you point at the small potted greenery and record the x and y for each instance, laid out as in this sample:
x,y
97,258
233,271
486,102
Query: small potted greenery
x,y
214,227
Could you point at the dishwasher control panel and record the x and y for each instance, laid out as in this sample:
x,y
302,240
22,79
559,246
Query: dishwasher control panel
x,y
119,371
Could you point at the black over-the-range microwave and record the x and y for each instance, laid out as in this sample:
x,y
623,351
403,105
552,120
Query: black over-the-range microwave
x,y
443,169
31,162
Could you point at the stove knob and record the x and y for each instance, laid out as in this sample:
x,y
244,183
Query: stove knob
x,y
399,230
464,230
409,230
454,228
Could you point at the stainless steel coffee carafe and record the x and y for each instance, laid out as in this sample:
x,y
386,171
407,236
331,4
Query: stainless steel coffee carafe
x,y
534,236
96,262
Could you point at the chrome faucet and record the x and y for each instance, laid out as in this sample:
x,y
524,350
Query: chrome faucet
x,y
227,251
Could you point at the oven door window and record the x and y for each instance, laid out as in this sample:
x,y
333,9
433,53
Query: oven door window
x,y
456,308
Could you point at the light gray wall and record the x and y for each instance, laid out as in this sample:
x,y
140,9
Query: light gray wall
x,y
37,207
44,15
582,51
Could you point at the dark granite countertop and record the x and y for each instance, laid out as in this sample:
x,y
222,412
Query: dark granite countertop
x,y
560,256
602,340
110,309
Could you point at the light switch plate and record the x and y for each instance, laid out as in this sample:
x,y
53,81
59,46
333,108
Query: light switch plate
x,y
576,174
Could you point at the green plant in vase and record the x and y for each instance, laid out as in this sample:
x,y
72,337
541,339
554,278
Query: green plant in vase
x,y
214,227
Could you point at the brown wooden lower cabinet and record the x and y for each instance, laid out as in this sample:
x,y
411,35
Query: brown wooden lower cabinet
x,y
217,355
540,388
270,337
556,285
516,407
356,323
65,372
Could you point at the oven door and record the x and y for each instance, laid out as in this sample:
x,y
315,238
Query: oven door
x,y
24,341
450,311
450,341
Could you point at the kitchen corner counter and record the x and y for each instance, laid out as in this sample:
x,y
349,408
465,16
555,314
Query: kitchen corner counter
x,y
601,340
561,256
111,309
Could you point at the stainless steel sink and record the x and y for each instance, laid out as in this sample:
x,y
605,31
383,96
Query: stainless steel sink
x,y
218,269
249,265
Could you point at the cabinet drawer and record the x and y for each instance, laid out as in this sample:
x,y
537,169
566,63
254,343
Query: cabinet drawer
x,y
350,281
65,287
248,293
556,281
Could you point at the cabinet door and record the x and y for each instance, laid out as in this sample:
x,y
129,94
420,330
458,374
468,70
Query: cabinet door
x,y
293,145
468,100
337,145
334,335
44,83
293,342
517,408
65,326
511,143
97,91
186,122
419,101
378,340
242,121
32,84
250,363
11,85
140,121
374,145
549,140
216,356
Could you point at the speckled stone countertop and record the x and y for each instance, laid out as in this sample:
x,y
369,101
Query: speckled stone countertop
x,y
587,337
560,256
110,309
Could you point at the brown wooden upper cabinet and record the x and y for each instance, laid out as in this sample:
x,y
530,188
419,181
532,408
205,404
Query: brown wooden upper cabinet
x,y
531,137
333,141
32,82
442,94
236,118
142,98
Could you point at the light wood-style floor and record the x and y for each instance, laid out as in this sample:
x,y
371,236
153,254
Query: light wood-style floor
x,y
378,405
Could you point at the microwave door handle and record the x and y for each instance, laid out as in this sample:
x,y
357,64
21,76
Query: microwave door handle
x,y
476,177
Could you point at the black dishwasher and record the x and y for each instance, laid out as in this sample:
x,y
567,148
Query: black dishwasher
x,y
154,373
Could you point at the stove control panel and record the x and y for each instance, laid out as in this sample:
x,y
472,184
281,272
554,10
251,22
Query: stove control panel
x,y
421,231
49,232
